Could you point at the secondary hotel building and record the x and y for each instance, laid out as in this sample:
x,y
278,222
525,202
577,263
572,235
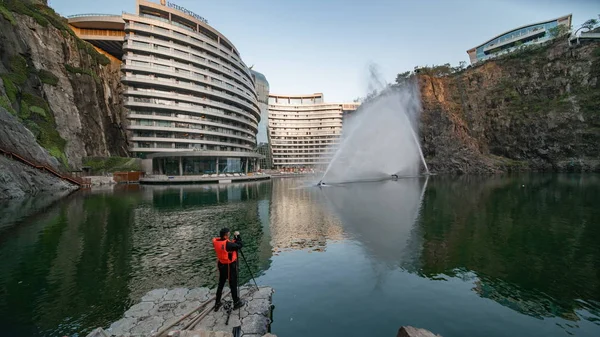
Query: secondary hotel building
x,y
262,137
191,100
304,130
507,42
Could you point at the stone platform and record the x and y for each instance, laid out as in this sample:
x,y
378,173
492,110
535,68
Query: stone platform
x,y
161,307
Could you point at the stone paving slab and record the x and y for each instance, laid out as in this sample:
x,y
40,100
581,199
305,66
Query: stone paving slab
x,y
161,307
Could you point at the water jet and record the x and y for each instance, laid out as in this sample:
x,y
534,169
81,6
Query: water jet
x,y
379,141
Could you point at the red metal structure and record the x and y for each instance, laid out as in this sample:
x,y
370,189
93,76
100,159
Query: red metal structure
x,y
80,182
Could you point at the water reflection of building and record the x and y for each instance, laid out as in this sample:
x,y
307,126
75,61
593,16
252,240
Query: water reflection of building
x,y
172,233
299,217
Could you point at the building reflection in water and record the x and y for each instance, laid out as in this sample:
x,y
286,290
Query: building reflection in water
x,y
172,233
300,218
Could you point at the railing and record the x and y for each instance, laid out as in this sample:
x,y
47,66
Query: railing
x,y
80,182
91,14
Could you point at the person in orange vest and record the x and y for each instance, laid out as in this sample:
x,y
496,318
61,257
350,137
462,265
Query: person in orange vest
x,y
227,263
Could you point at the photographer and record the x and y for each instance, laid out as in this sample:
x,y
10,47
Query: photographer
x,y
227,262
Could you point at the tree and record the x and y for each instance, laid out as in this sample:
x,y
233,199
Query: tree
x,y
558,31
588,25
402,78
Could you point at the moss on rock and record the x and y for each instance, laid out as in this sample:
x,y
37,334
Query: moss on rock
x,y
47,77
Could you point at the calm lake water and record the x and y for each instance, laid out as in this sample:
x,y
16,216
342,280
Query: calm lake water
x,y
470,256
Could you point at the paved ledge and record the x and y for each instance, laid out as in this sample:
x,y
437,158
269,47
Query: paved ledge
x,y
160,308
203,179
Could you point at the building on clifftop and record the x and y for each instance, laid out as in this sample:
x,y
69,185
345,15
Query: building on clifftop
x,y
509,41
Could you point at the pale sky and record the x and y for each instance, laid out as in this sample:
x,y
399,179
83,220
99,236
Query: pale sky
x,y
308,46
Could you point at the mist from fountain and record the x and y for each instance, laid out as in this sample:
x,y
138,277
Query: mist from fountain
x,y
380,139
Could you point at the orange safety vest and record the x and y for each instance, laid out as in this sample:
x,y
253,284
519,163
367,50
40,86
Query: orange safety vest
x,y
222,253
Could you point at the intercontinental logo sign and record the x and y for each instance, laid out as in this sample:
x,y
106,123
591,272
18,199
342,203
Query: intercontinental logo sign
x,y
183,9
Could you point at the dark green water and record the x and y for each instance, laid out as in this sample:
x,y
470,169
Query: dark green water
x,y
500,256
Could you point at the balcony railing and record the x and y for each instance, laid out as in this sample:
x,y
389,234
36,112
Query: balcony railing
x,y
197,106
198,37
189,56
186,118
137,126
192,87
172,72
91,14
185,110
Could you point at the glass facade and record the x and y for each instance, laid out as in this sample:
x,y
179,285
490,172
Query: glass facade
x,y
508,42
202,165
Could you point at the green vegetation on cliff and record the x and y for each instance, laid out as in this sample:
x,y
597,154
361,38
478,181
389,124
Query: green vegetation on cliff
x,y
47,77
7,15
112,164
25,98
45,16
537,108
33,110
5,103
89,72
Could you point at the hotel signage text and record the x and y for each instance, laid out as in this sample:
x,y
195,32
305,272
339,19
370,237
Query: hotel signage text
x,y
186,11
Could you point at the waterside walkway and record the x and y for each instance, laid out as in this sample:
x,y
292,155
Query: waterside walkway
x,y
204,179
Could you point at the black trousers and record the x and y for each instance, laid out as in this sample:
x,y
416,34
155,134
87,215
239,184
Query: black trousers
x,y
228,272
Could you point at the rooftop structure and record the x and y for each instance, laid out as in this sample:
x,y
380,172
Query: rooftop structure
x,y
525,35
105,31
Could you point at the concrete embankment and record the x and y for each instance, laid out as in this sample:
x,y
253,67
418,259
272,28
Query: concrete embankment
x,y
160,308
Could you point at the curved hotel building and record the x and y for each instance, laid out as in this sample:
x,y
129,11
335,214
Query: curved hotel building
x,y
192,103
304,130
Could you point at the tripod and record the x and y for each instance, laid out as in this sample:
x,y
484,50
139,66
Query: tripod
x,y
248,266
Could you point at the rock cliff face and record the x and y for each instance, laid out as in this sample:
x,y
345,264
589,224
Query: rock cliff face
x,y
58,86
533,110
16,179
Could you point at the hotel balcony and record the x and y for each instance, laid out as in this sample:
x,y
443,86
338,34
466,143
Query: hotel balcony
x,y
176,85
190,141
198,85
193,69
185,118
138,43
186,110
154,27
248,118
203,131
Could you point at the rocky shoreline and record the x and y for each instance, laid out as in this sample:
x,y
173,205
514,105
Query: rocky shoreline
x,y
160,308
